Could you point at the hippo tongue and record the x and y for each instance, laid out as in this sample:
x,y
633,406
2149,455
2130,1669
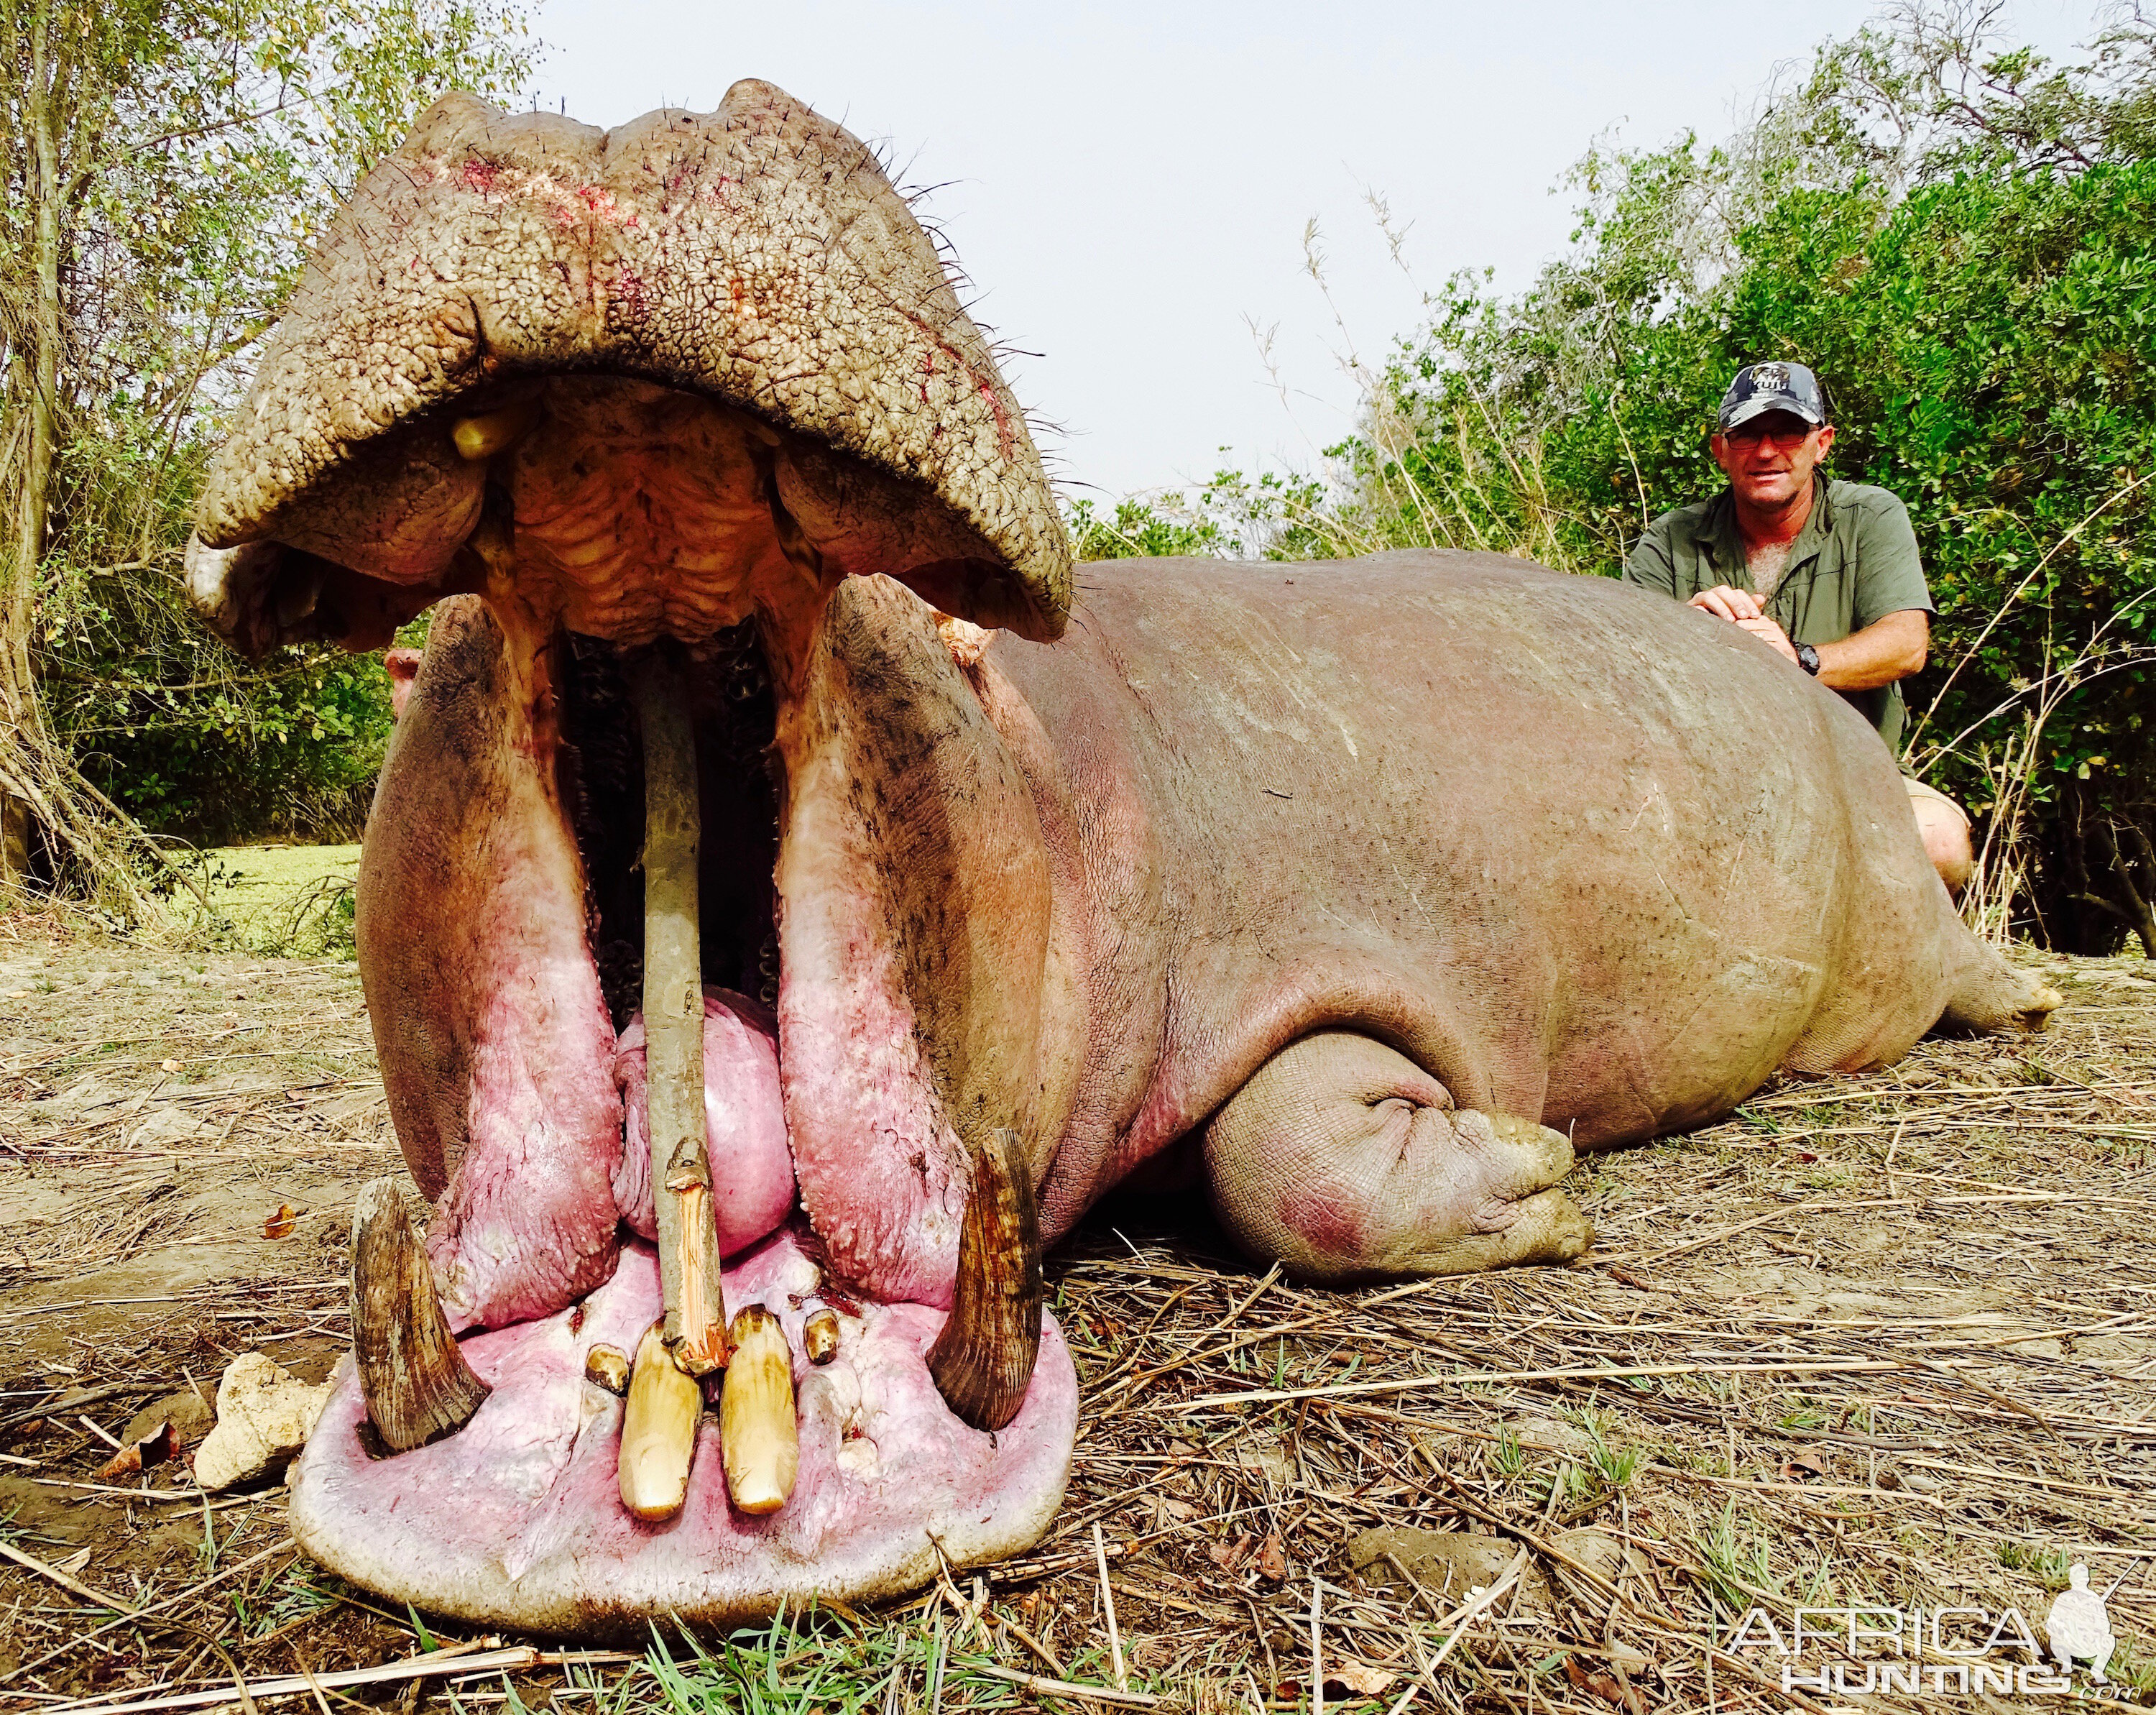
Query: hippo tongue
x,y
745,1124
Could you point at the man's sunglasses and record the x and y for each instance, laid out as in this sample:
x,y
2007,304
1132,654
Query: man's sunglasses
x,y
1747,434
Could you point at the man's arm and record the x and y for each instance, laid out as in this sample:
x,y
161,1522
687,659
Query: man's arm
x,y
1890,648
1650,564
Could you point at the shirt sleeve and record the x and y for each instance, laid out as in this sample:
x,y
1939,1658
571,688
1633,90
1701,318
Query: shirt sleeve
x,y
1889,577
1649,564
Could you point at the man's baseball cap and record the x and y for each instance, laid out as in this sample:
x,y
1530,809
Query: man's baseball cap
x,y
1761,387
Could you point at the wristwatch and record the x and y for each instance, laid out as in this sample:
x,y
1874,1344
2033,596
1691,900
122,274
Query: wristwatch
x,y
1808,659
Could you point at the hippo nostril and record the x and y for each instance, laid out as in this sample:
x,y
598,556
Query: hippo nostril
x,y
415,1380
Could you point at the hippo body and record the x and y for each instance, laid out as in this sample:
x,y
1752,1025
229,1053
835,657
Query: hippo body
x,y
1493,837
1360,894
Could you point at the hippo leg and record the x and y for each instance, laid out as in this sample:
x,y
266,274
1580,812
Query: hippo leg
x,y
1345,1160
1990,995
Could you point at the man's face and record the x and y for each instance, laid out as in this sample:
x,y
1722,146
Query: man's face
x,y
1769,460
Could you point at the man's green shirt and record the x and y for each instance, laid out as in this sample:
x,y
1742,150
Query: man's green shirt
x,y
1854,562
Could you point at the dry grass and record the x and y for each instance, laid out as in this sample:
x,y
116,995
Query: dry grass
x,y
1890,1340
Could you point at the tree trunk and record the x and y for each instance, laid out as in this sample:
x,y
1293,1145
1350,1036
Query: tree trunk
x,y
23,742
40,789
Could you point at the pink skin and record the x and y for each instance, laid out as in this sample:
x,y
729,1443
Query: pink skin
x,y
403,667
874,1154
744,1121
518,1519
497,1049
521,1111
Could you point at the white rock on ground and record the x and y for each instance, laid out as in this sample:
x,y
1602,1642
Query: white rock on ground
x,y
263,1415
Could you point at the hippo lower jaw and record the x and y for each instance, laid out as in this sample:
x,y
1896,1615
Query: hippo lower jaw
x,y
501,944
518,1519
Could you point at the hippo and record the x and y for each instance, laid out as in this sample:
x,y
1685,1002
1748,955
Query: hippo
x,y
795,893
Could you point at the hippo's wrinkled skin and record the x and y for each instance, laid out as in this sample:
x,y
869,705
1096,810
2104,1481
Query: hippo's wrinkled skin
x,y
1360,895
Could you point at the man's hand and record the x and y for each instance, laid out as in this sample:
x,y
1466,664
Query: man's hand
x,y
1890,648
1740,608
1727,603
1768,633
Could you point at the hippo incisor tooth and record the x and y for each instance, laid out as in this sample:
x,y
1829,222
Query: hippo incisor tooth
x,y
482,437
674,1016
757,1432
983,1361
607,1367
819,1335
414,1377
658,1430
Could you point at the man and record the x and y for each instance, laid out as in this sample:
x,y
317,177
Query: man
x,y
1824,573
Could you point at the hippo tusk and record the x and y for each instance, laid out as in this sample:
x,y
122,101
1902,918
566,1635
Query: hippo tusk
x,y
412,1373
819,1335
607,1367
983,1361
658,1430
482,437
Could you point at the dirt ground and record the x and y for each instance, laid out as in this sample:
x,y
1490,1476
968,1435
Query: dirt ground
x,y
1879,1341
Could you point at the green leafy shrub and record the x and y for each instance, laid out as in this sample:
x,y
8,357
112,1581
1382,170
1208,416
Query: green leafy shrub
x,y
1961,241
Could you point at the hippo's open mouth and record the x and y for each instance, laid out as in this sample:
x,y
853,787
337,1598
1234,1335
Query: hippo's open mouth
x,y
705,986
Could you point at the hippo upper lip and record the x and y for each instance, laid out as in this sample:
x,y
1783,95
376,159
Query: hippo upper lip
x,y
756,254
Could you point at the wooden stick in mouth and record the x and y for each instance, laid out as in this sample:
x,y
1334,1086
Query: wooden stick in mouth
x,y
695,1318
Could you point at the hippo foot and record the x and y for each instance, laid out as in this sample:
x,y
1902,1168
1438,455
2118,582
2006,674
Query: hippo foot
x,y
518,1519
1344,1160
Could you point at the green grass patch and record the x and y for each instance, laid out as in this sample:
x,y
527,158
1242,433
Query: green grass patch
x,y
277,901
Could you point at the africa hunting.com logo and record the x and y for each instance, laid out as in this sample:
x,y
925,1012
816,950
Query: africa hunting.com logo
x,y
1935,1651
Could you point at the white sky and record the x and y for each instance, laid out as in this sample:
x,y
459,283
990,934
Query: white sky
x,y
1127,183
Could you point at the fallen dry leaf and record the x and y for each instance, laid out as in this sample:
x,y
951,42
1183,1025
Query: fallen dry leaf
x,y
1228,1556
279,1225
1604,1686
1354,1677
153,1449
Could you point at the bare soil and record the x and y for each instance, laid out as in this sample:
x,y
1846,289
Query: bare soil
x,y
1887,1340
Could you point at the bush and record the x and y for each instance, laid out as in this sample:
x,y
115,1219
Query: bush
x,y
194,742
1961,241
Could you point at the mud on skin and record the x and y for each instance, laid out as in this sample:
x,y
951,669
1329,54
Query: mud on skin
x,y
1360,902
